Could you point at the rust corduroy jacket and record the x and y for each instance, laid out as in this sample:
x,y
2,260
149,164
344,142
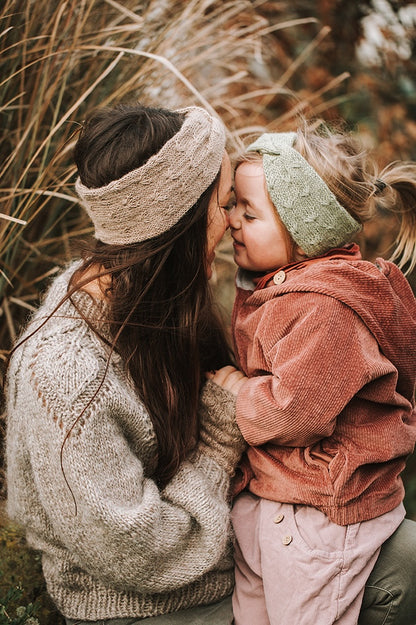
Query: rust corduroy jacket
x,y
329,409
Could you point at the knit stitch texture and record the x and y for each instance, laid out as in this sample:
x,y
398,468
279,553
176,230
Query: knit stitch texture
x,y
309,210
151,199
130,550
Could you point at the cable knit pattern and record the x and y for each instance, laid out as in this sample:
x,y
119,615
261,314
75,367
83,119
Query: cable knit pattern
x,y
220,436
151,199
129,550
309,210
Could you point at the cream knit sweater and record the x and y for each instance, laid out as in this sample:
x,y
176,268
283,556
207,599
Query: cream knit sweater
x,y
129,550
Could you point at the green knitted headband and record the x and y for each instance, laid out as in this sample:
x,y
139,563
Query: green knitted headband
x,y
309,210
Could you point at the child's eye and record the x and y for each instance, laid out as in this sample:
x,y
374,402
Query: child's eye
x,y
248,217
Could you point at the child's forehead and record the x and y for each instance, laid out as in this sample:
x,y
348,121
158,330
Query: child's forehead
x,y
249,180
251,188
249,170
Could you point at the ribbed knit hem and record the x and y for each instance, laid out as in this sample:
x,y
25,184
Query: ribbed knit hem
x,y
85,599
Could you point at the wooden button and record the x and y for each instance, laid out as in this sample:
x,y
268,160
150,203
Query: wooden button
x,y
279,277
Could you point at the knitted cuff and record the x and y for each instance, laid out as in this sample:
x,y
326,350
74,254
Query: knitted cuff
x,y
220,437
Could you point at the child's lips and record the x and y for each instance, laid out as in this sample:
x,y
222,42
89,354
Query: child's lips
x,y
237,244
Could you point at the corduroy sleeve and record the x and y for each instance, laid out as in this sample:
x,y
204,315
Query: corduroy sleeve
x,y
316,354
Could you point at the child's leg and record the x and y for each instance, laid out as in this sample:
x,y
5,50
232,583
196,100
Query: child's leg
x,y
313,571
249,605
362,538
300,570
330,565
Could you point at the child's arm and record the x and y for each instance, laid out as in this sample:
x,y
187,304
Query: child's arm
x,y
319,354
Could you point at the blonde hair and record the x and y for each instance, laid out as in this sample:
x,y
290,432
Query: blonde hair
x,y
353,176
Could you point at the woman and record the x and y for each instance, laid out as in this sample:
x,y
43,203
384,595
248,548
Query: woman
x,y
119,451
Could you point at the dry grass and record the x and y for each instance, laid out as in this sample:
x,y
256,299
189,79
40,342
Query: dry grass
x,y
60,59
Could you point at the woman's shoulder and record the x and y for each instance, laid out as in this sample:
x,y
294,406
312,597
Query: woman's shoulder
x,y
59,353
63,369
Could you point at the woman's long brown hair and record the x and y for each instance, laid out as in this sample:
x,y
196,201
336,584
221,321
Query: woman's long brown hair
x,y
162,319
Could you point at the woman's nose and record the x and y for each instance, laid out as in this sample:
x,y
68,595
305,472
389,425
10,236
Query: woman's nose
x,y
227,219
232,218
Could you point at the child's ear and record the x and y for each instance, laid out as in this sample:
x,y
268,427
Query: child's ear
x,y
300,253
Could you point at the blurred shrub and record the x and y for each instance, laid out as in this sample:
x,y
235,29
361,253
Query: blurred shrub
x,y
23,597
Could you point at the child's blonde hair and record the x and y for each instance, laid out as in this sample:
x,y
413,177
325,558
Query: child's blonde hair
x,y
353,176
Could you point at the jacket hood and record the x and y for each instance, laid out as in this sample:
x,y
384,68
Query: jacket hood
x,y
377,292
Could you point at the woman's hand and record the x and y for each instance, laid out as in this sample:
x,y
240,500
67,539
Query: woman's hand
x,y
229,378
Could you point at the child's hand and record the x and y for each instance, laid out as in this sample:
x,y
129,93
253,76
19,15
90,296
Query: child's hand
x,y
229,378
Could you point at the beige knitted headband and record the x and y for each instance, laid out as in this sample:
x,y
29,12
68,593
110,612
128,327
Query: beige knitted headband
x,y
151,199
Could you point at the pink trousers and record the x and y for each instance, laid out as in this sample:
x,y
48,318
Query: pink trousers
x,y
295,567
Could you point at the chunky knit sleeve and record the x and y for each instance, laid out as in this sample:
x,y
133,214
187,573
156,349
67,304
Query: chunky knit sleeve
x,y
81,449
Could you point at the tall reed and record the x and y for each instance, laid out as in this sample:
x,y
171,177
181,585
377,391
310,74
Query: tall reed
x,y
63,58
60,59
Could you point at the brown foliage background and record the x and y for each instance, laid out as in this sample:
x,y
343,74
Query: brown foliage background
x,y
256,63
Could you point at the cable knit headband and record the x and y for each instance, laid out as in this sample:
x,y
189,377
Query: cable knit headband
x,y
151,199
309,210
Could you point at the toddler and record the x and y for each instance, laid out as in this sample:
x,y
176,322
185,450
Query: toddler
x,y
328,342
